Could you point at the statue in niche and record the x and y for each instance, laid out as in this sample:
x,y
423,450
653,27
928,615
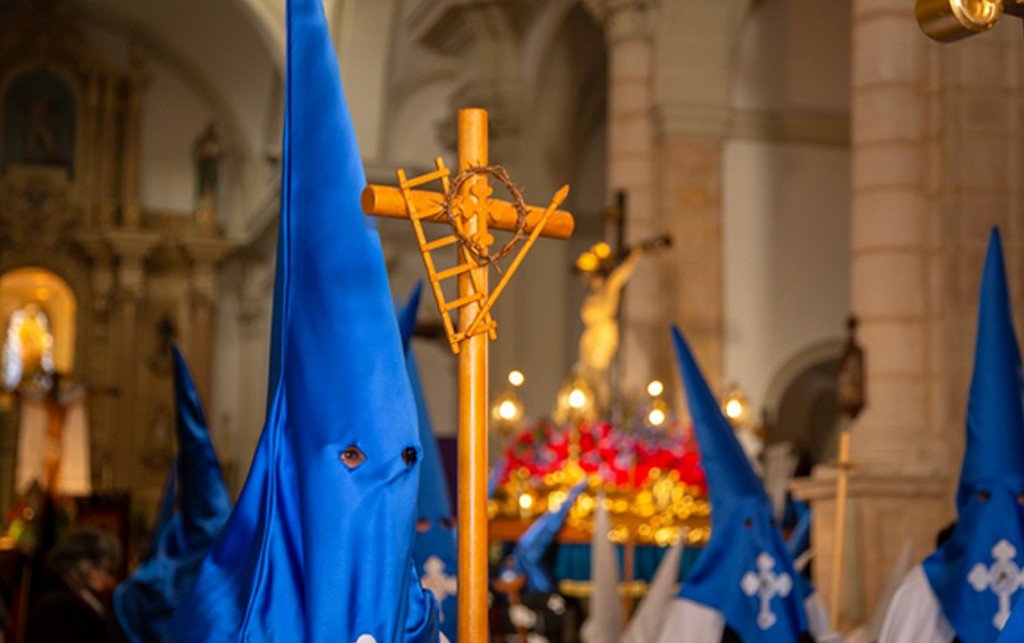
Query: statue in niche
x,y
605,276
206,153
40,108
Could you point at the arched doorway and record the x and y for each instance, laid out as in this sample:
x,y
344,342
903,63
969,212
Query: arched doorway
x,y
803,403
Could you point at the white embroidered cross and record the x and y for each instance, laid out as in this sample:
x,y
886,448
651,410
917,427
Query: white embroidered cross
x,y
436,581
1003,578
766,585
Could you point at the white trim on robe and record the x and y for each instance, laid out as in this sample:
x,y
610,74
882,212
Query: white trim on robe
x,y
915,614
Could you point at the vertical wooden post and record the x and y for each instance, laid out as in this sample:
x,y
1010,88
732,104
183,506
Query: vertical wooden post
x,y
472,436
839,543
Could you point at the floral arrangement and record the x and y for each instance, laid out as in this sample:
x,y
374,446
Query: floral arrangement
x,y
624,457
650,476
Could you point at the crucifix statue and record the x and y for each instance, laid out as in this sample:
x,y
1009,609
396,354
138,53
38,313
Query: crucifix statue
x,y
465,204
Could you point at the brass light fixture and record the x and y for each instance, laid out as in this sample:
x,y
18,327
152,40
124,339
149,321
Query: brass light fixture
x,y
951,20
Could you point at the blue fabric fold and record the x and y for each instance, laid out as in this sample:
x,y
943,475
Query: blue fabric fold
x,y
532,545
435,548
320,544
745,571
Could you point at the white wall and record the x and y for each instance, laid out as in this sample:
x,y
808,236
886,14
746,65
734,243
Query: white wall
x,y
786,205
786,246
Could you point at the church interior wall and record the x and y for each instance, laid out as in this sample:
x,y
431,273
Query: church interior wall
x,y
786,212
229,86
786,245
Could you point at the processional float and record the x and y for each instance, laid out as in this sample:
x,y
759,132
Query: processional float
x,y
464,203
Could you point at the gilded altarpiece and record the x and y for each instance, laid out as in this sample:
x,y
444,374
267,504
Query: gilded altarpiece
x,y
69,204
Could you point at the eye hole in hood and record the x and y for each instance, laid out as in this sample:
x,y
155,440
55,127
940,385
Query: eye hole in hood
x,y
410,456
352,456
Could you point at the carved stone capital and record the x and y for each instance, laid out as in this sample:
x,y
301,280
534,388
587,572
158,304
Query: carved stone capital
x,y
624,19
206,251
131,247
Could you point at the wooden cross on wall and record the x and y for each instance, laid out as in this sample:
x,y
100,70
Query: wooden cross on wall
x,y
465,204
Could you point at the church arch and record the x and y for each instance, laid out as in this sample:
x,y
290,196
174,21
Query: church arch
x,y
802,403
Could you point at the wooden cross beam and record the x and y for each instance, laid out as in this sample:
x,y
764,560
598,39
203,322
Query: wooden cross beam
x,y
475,328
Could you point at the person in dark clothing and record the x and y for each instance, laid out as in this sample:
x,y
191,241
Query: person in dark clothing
x,y
74,603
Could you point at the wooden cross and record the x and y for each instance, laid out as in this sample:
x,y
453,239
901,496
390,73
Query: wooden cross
x,y
476,213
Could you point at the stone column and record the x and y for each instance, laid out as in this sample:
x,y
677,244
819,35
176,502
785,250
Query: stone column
x,y
131,249
106,180
254,322
935,144
89,135
895,494
97,359
130,157
205,254
629,33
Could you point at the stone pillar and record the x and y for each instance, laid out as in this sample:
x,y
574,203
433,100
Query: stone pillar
x,y
96,359
690,198
131,249
205,254
106,181
629,32
89,134
935,144
892,439
130,157
254,322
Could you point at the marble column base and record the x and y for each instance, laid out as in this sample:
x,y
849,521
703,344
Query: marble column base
x,y
883,513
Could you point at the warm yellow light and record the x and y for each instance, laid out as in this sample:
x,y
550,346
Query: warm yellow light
x,y
656,417
507,410
587,262
577,399
516,378
525,501
42,294
733,409
655,388
602,250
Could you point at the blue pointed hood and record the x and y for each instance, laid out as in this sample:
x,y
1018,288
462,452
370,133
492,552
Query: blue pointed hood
x,y
435,550
746,554
145,601
531,546
990,530
319,547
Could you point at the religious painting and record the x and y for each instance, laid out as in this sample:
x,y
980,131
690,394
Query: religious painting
x,y
39,122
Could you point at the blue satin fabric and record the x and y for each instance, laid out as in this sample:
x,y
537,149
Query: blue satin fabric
x,y
799,541
435,550
742,525
531,546
992,477
145,601
316,551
